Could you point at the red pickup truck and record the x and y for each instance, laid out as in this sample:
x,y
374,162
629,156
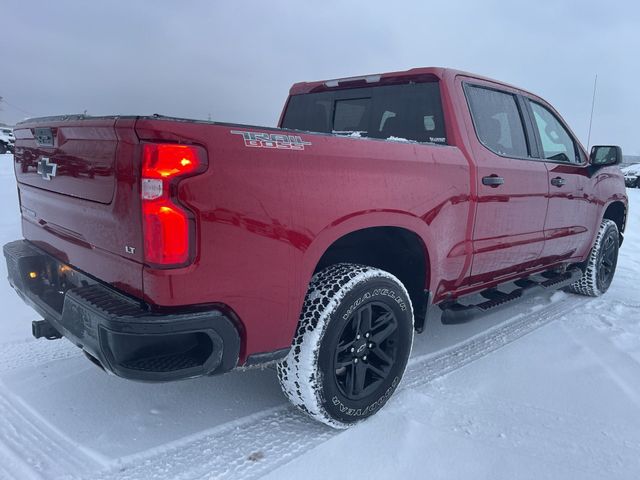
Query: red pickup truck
x,y
167,248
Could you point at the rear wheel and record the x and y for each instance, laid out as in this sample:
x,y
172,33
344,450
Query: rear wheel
x,y
601,265
351,347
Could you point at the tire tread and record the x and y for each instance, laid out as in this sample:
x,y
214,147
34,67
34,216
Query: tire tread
x,y
588,285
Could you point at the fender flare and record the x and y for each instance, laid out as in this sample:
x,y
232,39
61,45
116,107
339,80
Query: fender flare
x,y
352,223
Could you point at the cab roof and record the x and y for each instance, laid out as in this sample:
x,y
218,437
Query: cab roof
x,y
420,74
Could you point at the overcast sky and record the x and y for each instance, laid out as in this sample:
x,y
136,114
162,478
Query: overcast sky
x,y
235,60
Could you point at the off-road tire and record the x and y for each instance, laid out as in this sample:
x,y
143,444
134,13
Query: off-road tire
x,y
604,255
321,374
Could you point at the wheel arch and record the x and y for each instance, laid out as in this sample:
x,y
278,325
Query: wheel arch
x,y
397,243
617,212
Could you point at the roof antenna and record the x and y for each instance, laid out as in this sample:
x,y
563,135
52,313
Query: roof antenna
x,y
593,104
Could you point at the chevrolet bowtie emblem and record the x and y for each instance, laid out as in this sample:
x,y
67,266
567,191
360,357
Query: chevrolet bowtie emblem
x,y
46,169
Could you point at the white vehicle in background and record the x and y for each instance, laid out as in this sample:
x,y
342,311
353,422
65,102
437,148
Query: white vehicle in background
x,y
7,140
631,175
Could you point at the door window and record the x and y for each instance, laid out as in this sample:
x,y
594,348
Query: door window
x,y
557,144
497,121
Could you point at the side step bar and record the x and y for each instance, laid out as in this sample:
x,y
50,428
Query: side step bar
x,y
456,312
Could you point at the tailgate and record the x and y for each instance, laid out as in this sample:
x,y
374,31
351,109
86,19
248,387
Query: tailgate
x,y
78,183
79,154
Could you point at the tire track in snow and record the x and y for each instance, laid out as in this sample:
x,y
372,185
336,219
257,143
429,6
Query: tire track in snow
x,y
560,438
254,446
621,367
13,467
492,339
31,449
31,353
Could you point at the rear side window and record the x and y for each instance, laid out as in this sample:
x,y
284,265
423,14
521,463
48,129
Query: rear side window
x,y
497,121
311,114
557,144
407,111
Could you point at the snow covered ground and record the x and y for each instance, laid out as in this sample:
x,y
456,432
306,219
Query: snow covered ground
x,y
548,388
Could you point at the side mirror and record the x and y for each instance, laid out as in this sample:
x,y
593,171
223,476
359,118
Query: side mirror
x,y
602,155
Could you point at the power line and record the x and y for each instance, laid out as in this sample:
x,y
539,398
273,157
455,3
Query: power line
x,y
3,100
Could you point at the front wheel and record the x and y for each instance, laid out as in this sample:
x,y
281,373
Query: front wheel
x,y
351,347
601,264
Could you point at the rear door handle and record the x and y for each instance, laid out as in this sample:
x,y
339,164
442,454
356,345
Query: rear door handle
x,y
558,182
492,181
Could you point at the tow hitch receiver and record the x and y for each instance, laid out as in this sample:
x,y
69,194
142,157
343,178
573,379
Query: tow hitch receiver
x,y
43,329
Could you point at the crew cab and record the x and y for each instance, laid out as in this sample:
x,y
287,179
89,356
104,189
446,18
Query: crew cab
x,y
168,248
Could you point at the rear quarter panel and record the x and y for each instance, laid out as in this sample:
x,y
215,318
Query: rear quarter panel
x,y
266,216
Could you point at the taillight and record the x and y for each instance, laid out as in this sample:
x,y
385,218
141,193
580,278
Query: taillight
x,y
168,227
163,160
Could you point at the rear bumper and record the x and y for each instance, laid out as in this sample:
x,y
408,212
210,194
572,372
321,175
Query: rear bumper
x,y
121,333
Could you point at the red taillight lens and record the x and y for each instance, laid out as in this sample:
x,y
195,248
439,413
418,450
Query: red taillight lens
x,y
165,160
168,227
166,233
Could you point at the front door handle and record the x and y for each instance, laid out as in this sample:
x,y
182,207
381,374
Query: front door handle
x,y
492,181
558,182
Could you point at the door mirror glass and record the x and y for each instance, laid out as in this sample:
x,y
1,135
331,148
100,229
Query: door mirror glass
x,y
605,155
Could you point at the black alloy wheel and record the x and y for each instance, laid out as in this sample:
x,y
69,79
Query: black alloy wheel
x,y
607,261
366,351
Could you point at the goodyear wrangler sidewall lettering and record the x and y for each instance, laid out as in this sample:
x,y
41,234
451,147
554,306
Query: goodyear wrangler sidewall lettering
x,y
376,292
271,140
360,412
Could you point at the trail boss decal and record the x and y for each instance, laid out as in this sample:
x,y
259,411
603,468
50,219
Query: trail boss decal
x,y
271,140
